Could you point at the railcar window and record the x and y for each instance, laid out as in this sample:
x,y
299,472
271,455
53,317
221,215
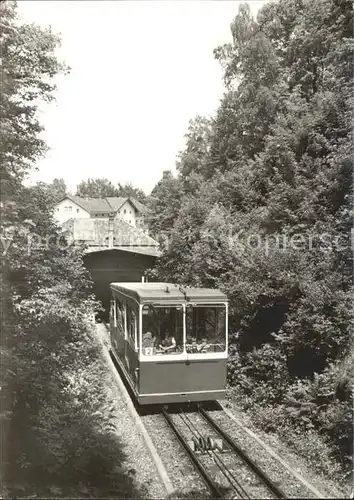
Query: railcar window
x,y
131,324
120,317
111,314
162,330
205,329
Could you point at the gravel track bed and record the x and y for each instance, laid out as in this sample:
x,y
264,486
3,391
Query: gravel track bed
x,y
294,488
279,475
138,460
178,465
245,477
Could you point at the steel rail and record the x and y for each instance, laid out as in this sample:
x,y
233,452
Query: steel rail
x,y
237,486
236,448
213,487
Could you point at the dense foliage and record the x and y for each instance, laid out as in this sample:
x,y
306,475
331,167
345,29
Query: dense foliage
x,y
100,188
57,189
53,442
261,208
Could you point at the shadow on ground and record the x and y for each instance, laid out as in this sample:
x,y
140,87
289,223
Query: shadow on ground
x,y
76,462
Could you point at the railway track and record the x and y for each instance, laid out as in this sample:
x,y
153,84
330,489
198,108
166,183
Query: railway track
x,y
228,473
225,468
200,466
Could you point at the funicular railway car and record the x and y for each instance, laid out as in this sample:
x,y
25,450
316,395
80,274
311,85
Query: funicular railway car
x,y
171,343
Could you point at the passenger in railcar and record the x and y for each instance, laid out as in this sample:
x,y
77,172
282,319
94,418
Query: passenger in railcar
x,y
203,345
168,344
200,345
148,339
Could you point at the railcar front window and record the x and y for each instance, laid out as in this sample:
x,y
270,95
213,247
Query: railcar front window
x,y
206,329
162,330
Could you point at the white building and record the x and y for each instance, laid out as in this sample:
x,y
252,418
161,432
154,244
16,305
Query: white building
x,y
74,207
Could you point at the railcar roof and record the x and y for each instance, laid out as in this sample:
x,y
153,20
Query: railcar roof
x,y
148,292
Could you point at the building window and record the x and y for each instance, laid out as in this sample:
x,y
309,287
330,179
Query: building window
x,y
125,211
130,222
77,210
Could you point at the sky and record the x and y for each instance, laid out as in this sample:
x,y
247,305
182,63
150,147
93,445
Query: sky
x,y
140,70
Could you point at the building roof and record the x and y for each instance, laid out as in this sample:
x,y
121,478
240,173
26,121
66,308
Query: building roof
x,y
98,205
139,206
105,205
81,202
116,202
169,292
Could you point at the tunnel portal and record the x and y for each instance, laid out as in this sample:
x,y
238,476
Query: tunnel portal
x,y
114,265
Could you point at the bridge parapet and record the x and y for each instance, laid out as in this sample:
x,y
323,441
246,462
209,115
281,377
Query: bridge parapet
x,y
104,234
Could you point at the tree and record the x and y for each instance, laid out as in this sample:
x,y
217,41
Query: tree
x,y
96,188
252,72
192,160
128,191
28,65
52,192
100,188
164,204
45,293
57,189
273,165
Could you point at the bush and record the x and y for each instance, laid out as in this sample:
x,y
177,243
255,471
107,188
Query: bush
x,y
260,383
261,372
61,441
